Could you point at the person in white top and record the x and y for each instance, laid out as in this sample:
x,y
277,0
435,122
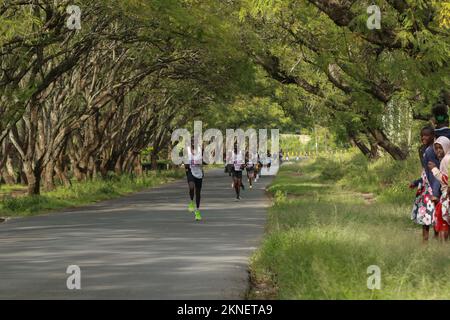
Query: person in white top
x,y
250,166
269,161
194,174
238,162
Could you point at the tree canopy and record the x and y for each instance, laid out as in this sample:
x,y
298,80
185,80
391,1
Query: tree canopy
x,y
82,102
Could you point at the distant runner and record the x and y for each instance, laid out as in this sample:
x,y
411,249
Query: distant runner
x,y
238,166
268,161
258,167
250,168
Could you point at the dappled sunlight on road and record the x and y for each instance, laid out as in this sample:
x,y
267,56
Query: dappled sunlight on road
x,y
145,246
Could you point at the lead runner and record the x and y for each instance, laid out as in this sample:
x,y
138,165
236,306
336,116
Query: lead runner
x,y
194,174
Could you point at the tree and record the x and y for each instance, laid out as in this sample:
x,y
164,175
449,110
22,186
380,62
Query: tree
x,y
324,48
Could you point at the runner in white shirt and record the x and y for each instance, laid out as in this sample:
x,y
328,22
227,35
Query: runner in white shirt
x,y
251,168
229,170
194,174
238,166
269,161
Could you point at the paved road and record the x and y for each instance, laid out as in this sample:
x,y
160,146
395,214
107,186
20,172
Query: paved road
x,y
144,246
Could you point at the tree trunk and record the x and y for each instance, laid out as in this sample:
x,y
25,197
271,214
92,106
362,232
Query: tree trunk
x,y
129,163
90,168
22,176
62,174
79,169
387,145
33,177
355,141
138,166
119,167
78,174
374,153
49,172
154,160
8,174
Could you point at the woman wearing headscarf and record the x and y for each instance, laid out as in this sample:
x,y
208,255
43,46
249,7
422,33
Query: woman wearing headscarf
x,y
442,150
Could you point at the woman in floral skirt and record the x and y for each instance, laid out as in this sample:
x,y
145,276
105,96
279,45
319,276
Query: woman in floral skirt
x,y
428,187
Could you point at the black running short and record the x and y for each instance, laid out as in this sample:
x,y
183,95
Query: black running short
x,y
190,178
237,174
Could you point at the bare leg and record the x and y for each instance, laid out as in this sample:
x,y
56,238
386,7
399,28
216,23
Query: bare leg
x,y
443,236
425,233
237,186
436,234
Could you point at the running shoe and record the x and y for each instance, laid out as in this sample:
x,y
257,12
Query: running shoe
x,y
191,206
198,216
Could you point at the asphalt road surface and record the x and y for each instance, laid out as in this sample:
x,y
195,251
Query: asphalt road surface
x,y
143,246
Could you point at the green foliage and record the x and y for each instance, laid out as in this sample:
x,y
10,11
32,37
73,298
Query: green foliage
x,y
250,112
306,42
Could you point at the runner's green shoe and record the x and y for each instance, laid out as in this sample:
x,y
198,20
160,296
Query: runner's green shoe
x,y
191,206
198,217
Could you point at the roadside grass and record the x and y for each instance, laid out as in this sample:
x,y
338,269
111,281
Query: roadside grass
x,y
81,193
322,235
12,190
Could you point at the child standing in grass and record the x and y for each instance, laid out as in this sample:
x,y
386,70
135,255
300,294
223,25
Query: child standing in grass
x,y
428,187
442,150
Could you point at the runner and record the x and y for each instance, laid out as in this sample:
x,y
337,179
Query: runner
x,y
268,162
258,169
250,168
194,173
229,170
230,173
238,165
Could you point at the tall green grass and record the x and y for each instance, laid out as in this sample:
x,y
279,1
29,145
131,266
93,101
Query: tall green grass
x,y
81,193
322,234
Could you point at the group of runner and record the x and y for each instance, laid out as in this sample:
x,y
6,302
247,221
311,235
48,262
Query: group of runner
x,y
238,163
234,167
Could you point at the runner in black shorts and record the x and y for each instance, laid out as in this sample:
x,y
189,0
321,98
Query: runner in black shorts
x,y
269,161
229,169
251,168
194,174
238,166
258,167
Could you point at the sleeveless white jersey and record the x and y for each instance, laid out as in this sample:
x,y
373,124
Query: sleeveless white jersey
x,y
196,164
238,161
